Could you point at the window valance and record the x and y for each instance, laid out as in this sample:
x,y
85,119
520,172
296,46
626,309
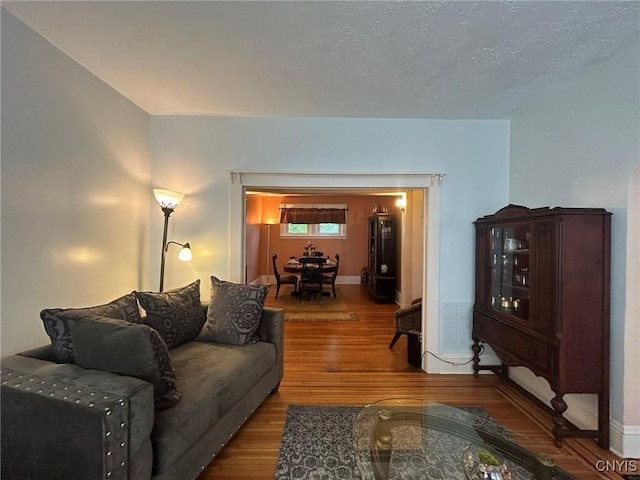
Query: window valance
x,y
313,215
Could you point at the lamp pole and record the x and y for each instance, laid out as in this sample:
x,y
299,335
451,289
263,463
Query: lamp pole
x,y
268,250
167,211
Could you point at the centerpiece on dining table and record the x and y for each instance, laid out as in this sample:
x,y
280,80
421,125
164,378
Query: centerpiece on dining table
x,y
311,249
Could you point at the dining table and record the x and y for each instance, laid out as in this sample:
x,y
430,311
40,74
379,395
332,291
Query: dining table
x,y
294,266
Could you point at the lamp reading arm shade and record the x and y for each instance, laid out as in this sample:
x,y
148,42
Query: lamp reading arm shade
x,y
167,198
185,253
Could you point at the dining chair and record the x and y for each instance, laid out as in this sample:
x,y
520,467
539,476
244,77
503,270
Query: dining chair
x,y
283,279
311,280
331,279
407,320
313,254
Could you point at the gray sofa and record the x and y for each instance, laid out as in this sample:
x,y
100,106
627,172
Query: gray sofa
x,y
62,421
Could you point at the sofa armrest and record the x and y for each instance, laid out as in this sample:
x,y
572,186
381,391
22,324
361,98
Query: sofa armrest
x,y
272,330
64,421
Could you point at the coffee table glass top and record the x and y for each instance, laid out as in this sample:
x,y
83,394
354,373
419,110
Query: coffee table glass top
x,y
404,438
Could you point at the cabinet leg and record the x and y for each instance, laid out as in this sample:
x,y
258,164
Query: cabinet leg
x,y
559,422
476,357
603,420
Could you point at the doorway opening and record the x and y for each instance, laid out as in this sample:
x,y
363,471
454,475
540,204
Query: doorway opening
x,y
428,183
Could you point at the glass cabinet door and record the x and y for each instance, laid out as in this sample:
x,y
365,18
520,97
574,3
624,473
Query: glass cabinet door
x,y
387,248
510,272
373,233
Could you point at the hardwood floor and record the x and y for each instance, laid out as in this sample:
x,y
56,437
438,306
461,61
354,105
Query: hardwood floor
x,y
349,363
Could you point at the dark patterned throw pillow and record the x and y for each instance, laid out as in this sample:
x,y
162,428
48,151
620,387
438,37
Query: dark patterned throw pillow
x,y
234,313
57,322
126,348
177,315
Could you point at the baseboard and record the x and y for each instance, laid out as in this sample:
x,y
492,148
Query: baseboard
x,y
625,440
455,363
348,280
449,364
582,410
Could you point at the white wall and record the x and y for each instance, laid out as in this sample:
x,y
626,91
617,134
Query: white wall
x,y
75,187
631,380
578,147
194,154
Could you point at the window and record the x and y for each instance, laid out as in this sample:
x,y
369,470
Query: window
x,y
310,230
317,215
297,228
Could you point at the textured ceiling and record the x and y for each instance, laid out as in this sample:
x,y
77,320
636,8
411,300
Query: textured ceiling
x,y
430,59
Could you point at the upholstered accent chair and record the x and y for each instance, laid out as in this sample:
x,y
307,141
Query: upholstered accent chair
x,y
283,279
407,319
331,279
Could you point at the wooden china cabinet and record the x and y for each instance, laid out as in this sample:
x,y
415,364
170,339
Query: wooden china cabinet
x,y
381,267
542,301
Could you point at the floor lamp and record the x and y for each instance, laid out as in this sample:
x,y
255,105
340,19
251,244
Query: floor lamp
x,y
268,249
168,201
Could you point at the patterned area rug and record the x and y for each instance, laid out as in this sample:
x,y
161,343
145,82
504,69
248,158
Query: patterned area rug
x,y
319,316
289,302
318,443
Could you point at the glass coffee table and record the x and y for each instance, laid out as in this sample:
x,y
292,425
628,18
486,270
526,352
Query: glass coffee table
x,y
404,438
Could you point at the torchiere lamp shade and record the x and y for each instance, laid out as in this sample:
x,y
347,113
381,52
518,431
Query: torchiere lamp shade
x,y
168,198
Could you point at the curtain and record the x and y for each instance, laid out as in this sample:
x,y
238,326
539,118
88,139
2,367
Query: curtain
x,y
313,215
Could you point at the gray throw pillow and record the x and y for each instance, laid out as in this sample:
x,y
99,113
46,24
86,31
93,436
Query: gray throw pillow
x,y
177,314
129,349
58,321
234,313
